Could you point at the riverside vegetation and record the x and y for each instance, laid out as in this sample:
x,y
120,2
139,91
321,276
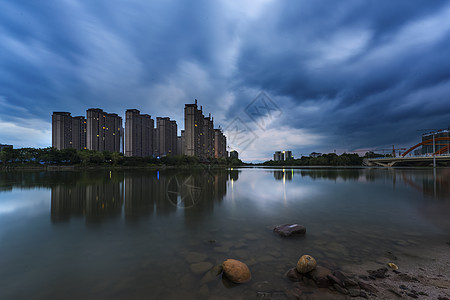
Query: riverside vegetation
x,y
42,157
330,159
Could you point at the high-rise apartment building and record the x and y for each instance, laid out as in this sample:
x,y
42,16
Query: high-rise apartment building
x,y
79,133
138,133
166,136
68,132
199,137
61,130
207,137
193,126
220,144
104,131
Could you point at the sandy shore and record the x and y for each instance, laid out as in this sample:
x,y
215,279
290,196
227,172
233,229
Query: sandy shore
x,y
423,274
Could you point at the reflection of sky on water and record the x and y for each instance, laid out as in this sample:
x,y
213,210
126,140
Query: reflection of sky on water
x,y
27,202
260,189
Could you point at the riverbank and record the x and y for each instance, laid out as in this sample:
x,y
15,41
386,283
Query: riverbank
x,y
423,273
112,167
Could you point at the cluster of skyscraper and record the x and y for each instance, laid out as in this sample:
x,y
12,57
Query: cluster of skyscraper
x,y
103,131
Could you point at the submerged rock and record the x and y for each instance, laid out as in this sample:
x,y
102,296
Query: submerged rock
x,y
380,273
306,263
294,275
286,230
201,267
212,275
236,271
319,275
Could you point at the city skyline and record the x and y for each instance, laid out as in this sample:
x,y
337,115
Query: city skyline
x,y
367,77
140,136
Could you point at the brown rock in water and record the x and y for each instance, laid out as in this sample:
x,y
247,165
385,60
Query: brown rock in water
x,y
286,230
236,271
340,276
319,275
294,275
305,264
334,280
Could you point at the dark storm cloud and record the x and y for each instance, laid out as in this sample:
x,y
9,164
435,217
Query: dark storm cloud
x,y
363,64
346,75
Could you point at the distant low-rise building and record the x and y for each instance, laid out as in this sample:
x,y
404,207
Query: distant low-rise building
x,y
4,146
440,146
234,154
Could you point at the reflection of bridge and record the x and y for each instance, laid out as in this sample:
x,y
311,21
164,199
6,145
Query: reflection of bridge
x,y
407,161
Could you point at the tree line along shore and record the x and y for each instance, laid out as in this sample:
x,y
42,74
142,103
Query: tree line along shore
x,y
43,157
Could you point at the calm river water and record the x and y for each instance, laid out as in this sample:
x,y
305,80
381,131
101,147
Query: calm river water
x,y
155,234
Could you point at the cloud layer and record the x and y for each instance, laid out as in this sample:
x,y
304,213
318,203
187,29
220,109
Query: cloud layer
x,y
345,76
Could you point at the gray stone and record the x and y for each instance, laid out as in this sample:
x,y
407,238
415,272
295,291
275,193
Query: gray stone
x,y
286,230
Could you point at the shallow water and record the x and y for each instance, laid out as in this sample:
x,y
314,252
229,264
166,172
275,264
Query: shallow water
x,y
141,234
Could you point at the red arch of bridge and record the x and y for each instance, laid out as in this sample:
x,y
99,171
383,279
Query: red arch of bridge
x,y
443,149
430,141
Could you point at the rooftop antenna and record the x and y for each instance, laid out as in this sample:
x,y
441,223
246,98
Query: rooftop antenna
x,y
195,101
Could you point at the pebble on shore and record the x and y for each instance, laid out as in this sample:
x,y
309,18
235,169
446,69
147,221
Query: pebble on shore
x,y
236,271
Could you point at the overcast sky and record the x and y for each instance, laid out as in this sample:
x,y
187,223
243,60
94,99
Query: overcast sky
x,y
337,75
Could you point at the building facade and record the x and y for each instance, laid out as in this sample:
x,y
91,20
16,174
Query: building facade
x,y
68,132
193,124
104,131
166,136
199,137
138,133
440,146
278,156
220,144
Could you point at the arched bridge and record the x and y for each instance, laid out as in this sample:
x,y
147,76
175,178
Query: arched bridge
x,y
438,156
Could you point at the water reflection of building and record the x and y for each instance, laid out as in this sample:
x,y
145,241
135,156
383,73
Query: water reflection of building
x,y
140,194
283,174
100,199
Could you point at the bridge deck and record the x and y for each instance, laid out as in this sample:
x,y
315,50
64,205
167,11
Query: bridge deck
x,y
407,161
